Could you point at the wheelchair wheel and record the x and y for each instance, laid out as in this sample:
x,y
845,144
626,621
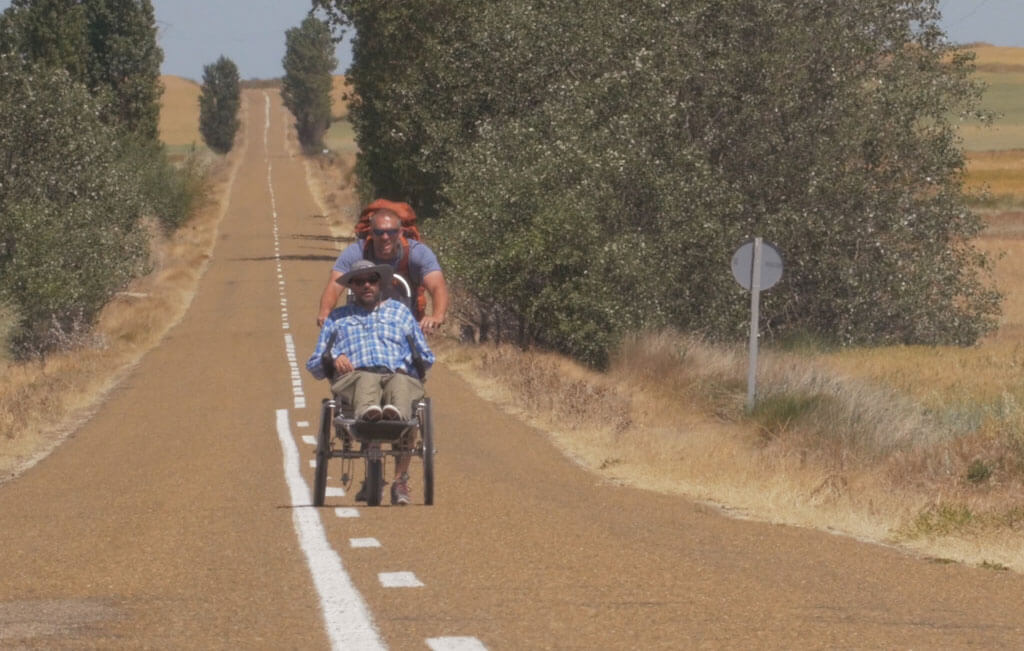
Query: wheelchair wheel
x,y
323,453
374,480
427,435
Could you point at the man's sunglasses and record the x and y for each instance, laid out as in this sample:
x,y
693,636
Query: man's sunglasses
x,y
365,280
390,232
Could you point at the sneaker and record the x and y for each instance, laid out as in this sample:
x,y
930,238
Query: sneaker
x,y
391,412
370,414
400,490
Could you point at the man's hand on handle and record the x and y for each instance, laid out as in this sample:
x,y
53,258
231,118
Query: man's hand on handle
x,y
430,324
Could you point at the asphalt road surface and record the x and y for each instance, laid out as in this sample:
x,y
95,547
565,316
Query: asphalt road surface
x,y
179,516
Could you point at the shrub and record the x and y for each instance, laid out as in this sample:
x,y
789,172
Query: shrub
x,y
70,206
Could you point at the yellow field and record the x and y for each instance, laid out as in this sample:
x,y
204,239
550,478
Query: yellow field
x,y
179,112
339,108
995,57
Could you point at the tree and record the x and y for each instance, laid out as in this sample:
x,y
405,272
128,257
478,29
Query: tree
x,y
595,169
70,205
107,45
124,62
309,63
219,100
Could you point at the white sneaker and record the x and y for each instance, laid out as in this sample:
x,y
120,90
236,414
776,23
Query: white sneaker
x,y
371,413
391,413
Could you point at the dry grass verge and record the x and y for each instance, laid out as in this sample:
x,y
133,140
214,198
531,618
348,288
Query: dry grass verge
x,y
823,450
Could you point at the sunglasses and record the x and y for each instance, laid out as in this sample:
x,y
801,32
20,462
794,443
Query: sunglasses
x,y
390,232
365,280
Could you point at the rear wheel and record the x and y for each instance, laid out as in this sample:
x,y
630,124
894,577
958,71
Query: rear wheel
x,y
323,454
374,479
427,434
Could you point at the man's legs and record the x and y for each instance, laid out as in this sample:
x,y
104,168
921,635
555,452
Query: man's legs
x,y
359,389
400,391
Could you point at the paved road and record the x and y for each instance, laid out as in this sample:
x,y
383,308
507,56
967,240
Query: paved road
x,y
179,516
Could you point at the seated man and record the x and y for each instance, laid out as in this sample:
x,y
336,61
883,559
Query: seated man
x,y
373,365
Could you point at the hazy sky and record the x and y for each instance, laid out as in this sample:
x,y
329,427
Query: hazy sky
x,y
194,33
997,22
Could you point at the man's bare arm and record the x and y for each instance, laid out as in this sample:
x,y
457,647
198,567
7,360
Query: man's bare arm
x,y
435,283
329,297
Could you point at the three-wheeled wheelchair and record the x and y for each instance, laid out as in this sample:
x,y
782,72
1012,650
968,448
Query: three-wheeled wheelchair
x,y
341,435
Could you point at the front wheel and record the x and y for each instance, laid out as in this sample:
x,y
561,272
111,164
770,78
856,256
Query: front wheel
x,y
427,435
323,454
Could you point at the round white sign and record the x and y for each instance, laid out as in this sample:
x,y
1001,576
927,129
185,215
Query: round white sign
x,y
743,265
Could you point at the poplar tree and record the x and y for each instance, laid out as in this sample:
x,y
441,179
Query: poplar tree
x,y
219,101
309,63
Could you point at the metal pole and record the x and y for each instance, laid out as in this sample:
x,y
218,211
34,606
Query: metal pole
x,y
755,308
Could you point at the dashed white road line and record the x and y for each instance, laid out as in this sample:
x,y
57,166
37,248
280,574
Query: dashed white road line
x,y
359,543
455,644
349,622
399,580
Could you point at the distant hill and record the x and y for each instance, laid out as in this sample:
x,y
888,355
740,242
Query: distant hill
x,y
179,112
992,58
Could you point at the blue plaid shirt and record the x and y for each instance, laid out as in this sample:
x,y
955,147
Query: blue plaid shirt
x,y
372,338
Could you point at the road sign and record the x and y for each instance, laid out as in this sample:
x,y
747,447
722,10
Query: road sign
x,y
756,265
743,265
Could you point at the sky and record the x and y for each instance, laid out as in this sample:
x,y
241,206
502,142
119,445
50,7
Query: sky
x,y
996,22
194,33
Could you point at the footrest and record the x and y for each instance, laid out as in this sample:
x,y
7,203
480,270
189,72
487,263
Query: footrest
x,y
381,430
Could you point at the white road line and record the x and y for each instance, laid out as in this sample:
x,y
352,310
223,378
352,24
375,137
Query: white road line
x,y
348,620
399,580
455,644
346,512
302,423
308,440
334,491
363,542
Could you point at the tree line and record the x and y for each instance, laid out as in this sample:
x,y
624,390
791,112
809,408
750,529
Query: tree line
x,y
589,168
83,177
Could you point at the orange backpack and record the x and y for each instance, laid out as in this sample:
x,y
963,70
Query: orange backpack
x,y
409,231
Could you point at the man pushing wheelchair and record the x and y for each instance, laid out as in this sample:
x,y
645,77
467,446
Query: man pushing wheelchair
x,y
370,350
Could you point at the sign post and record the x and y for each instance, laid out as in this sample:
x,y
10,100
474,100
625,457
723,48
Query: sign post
x,y
756,266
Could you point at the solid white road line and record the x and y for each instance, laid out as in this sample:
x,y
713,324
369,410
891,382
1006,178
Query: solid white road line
x,y
348,620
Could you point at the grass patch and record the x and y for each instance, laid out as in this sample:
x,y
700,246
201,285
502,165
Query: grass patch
x,y
340,138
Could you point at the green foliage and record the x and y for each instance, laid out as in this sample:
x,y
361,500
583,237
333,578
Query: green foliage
x,y
166,191
108,45
69,208
219,101
309,63
595,169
